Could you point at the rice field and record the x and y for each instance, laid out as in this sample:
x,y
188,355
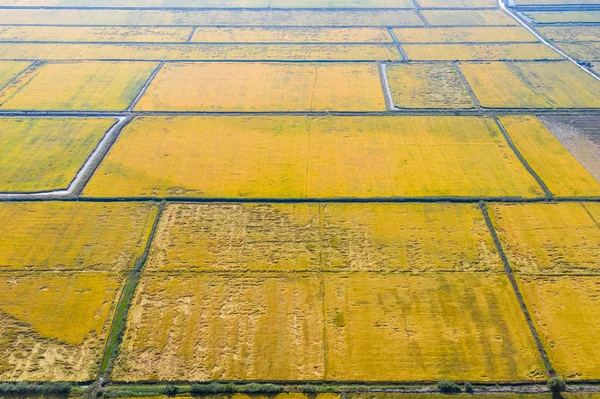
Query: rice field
x,y
470,34
10,69
581,51
479,52
571,33
215,3
291,35
563,17
466,17
458,3
93,34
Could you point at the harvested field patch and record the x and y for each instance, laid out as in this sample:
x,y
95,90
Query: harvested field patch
x,y
571,33
93,34
312,237
475,52
467,17
457,3
291,35
295,157
341,4
54,326
138,3
555,165
581,51
427,327
202,327
558,238
472,34
101,86
564,311
554,2
46,154
10,69
73,236
264,87
427,86
563,16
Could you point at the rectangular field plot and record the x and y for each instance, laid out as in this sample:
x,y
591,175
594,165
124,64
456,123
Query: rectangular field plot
x,y
458,3
10,69
295,157
558,238
341,4
469,34
571,33
99,86
563,16
93,34
46,154
427,86
582,51
73,236
532,85
565,311
561,172
217,3
291,35
286,238
264,87
54,326
468,17
480,52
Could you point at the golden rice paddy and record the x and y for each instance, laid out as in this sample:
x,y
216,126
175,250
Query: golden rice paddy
x,y
470,34
291,35
10,69
94,34
467,17
480,52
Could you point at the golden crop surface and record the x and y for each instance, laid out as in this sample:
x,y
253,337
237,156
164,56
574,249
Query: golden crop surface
x,y
488,395
296,156
564,312
470,34
582,50
313,237
532,85
554,238
217,3
10,69
264,87
291,35
93,85
93,34
571,33
427,86
467,17
564,17
480,52
54,325
457,3
555,165
73,236
42,154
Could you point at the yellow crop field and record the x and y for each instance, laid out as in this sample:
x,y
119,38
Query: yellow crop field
x,y
571,33
561,172
427,86
467,17
138,3
471,34
106,86
45,154
264,87
490,395
402,327
93,34
311,237
297,156
563,310
582,50
202,327
291,35
73,236
457,3
564,16
548,238
53,325
480,52
341,4
10,69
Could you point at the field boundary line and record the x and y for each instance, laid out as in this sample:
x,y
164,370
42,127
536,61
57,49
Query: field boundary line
x,y
510,274
145,87
591,216
422,18
189,39
397,43
465,82
385,86
32,66
521,158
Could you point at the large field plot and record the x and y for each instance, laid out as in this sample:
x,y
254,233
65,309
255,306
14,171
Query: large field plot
x,y
458,3
561,172
532,85
311,237
218,3
469,34
294,157
564,311
467,17
54,325
45,154
93,34
341,4
264,87
481,52
105,86
291,35
73,236
571,33
10,69
582,50
560,238
563,16
427,86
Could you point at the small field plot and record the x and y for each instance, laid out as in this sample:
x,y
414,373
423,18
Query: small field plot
x,y
581,50
563,16
264,87
500,395
73,236
458,3
45,154
480,52
101,86
564,310
341,4
571,33
427,86
532,85
561,172
403,327
54,326
202,327
469,34
554,2
467,17
287,157
291,35
548,238
286,238
10,69
138,3
93,34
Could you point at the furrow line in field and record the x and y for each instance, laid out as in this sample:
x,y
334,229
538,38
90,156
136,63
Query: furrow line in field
x,y
145,87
